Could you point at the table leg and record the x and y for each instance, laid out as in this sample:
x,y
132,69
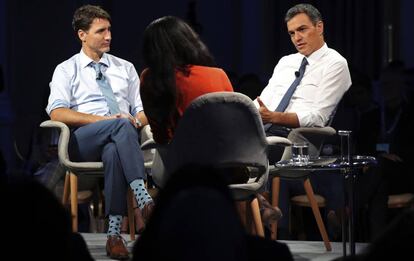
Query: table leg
x,y
344,214
351,212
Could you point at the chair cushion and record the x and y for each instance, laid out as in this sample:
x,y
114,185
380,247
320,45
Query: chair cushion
x,y
400,200
302,200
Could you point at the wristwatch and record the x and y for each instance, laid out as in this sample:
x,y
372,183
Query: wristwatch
x,y
138,122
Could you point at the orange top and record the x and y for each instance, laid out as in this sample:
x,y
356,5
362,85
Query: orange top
x,y
200,80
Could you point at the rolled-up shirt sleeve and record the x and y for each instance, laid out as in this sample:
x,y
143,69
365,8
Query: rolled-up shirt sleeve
x,y
60,91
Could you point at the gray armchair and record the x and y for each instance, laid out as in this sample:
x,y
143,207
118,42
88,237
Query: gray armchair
x,y
76,169
314,137
221,130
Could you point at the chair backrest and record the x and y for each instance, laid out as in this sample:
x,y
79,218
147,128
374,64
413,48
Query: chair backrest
x,y
221,129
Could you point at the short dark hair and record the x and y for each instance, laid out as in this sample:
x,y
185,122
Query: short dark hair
x,y
308,9
84,16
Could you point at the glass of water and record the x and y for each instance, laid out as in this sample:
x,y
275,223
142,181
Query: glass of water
x,y
300,153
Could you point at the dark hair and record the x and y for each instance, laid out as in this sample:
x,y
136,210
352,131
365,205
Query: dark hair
x,y
170,44
84,16
308,9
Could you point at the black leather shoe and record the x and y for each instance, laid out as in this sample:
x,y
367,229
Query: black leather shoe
x,y
116,249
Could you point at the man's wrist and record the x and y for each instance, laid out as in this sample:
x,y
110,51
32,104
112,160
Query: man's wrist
x,y
138,122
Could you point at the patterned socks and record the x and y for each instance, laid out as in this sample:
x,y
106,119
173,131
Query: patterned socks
x,y
114,228
141,194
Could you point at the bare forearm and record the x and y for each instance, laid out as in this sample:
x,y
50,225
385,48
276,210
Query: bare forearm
x,y
74,118
287,119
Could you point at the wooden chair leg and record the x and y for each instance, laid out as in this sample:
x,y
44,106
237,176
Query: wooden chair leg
x,y
66,188
241,208
74,201
275,203
317,213
250,225
254,205
131,214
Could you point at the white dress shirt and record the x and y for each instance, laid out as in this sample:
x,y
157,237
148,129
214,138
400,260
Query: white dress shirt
x,y
325,81
74,85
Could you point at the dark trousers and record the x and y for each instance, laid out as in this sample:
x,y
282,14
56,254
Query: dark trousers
x,y
115,143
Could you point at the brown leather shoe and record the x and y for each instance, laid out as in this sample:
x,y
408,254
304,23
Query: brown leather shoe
x,y
147,210
139,223
268,213
116,249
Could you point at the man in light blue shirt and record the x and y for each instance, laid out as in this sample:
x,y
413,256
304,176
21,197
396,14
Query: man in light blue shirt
x,y
104,122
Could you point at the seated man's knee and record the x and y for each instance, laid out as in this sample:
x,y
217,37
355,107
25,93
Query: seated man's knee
x,y
127,126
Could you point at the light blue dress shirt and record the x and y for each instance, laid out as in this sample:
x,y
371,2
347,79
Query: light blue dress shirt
x,y
74,85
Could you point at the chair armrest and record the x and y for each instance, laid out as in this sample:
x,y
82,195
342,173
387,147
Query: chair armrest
x,y
63,138
314,136
63,150
276,140
321,131
149,144
147,140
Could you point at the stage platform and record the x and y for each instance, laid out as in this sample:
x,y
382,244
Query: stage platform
x,y
301,250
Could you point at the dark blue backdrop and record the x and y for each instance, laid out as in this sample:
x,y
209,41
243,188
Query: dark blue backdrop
x,y
244,36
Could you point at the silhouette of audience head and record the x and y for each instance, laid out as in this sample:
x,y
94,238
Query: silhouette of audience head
x,y
34,216
194,219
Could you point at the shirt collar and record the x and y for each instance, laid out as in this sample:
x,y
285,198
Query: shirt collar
x,y
86,60
316,55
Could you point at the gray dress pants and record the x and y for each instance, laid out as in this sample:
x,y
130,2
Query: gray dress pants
x,y
115,143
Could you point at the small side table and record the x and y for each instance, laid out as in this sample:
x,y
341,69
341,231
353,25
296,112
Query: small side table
x,y
349,167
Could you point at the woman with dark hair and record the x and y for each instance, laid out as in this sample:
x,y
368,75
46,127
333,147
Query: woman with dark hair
x,y
179,69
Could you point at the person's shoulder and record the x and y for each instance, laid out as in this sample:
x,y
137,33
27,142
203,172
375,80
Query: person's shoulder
x,y
117,60
335,55
287,59
291,56
69,62
209,69
68,65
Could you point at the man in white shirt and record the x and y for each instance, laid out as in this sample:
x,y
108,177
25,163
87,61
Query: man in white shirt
x,y
325,79
97,95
